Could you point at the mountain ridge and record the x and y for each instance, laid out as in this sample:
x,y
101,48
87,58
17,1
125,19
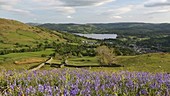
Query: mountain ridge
x,y
107,28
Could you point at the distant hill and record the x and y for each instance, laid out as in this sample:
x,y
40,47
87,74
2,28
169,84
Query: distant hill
x,y
14,33
33,24
74,28
118,28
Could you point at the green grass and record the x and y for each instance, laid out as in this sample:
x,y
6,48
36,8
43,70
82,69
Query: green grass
x,y
12,32
17,67
16,56
7,61
79,61
6,46
156,62
83,61
56,61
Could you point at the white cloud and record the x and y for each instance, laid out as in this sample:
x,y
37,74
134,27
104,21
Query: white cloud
x,y
159,11
65,10
157,3
14,10
48,2
68,6
86,10
8,2
69,17
8,5
75,3
117,12
120,11
35,19
3,3
116,17
54,6
58,6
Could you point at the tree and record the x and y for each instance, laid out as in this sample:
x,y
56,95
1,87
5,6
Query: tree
x,y
105,55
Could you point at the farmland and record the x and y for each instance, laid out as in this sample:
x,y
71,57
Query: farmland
x,y
7,61
157,62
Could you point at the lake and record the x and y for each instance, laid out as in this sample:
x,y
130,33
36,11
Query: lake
x,y
98,36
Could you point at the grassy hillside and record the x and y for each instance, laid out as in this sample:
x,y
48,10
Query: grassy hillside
x,y
14,33
20,43
155,62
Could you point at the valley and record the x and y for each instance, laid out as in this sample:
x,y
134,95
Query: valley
x,y
34,50
28,46
140,37
84,48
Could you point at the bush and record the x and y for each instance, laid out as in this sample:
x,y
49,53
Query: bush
x,y
43,55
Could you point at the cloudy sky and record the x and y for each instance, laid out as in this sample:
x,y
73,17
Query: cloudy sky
x,y
86,11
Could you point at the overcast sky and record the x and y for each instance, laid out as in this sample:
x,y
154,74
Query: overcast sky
x,y
86,11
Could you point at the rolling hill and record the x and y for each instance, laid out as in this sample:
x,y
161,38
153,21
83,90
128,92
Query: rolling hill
x,y
14,33
22,42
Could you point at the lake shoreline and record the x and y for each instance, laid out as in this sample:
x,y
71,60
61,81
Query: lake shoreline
x,y
98,36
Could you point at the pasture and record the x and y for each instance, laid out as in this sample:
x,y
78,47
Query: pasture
x,y
7,61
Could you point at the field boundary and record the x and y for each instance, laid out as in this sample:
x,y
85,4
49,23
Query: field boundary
x,y
41,65
77,66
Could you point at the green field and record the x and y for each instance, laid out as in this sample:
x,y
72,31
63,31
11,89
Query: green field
x,y
155,62
83,61
7,61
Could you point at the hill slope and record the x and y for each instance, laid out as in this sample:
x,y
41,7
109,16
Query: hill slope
x,y
14,33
